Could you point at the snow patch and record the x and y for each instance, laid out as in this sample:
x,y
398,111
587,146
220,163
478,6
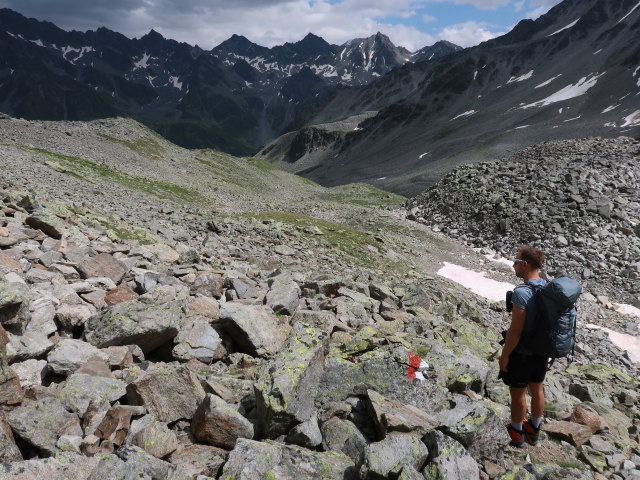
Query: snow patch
x,y
635,72
629,343
521,78
424,154
475,74
522,126
564,28
176,82
597,52
142,63
570,91
476,282
627,309
38,42
632,120
610,124
346,76
382,178
630,12
572,119
610,107
464,114
543,84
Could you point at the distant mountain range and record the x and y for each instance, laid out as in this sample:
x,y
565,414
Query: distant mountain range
x,y
573,72
235,97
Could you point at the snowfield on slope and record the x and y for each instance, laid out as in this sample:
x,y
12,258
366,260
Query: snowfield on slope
x,y
570,91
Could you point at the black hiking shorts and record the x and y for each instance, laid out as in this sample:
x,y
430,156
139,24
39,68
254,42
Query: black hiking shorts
x,y
524,369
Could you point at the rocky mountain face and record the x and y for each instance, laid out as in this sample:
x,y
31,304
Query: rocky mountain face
x,y
235,97
578,200
573,72
154,325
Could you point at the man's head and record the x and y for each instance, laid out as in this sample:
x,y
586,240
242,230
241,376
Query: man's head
x,y
528,261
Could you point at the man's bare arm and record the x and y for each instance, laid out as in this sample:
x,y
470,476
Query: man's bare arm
x,y
518,319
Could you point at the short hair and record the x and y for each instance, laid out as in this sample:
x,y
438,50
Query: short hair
x,y
532,255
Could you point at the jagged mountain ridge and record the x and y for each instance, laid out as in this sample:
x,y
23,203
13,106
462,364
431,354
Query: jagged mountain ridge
x,y
234,97
571,73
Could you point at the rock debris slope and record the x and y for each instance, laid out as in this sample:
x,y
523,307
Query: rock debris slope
x,y
578,200
265,344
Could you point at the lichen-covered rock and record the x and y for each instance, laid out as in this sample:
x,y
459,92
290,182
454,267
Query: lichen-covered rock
x,y
144,464
12,294
152,436
198,340
199,460
9,451
168,391
287,385
269,460
72,316
47,222
307,434
10,390
391,415
219,424
387,458
42,422
69,354
571,432
343,436
254,328
149,321
474,425
208,284
322,320
79,390
65,466
448,459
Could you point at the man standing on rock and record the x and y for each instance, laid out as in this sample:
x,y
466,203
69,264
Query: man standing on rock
x,y
519,368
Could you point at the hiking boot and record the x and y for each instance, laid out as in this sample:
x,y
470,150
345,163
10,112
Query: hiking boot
x,y
517,436
531,433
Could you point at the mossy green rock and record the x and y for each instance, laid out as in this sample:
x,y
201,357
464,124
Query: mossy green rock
x,y
252,460
148,321
287,385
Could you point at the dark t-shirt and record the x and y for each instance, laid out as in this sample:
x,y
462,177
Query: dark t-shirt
x,y
523,298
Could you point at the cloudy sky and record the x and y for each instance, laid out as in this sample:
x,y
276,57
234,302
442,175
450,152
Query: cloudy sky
x,y
410,23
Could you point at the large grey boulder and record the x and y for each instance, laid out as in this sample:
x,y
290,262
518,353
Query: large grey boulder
x,y
48,223
198,340
31,345
152,436
43,312
9,451
391,415
254,328
448,459
30,372
474,425
80,390
387,458
287,385
103,265
199,460
42,422
69,354
252,460
64,466
283,294
149,321
10,390
219,424
144,464
343,436
168,391
307,434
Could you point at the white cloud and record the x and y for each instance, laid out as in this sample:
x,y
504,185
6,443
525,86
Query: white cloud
x,y
481,4
468,34
428,18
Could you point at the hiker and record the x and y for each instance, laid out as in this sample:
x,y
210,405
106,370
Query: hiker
x,y
519,367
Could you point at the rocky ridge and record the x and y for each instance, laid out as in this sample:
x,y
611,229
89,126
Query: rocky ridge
x,y
577,200
266,344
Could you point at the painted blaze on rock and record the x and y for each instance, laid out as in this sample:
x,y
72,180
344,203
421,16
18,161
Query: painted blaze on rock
x,y
287,385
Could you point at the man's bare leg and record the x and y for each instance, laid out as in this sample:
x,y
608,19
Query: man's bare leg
x,y
518,404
